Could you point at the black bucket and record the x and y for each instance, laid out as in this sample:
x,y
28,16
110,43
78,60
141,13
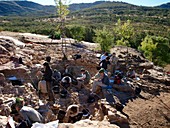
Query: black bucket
x,y
61,115
63,94
56,89
86,113
76,118
91,99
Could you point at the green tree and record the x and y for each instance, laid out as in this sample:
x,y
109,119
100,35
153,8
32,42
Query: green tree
x,y
136,39
125,31
89,34
77,32
104,37
162,52
156,49
62,8
62,11
148,47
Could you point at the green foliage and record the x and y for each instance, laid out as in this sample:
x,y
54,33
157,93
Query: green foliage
x,y
89,34
125,31
1,29
104,38
77,32
148,47
156,49
162,53
136,39
62,8
55,35
122,42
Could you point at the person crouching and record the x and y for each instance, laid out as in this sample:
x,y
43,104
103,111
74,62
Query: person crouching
x,y
102,80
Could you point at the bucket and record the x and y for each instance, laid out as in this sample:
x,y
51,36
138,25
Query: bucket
x,y
63,94
56,89
86,113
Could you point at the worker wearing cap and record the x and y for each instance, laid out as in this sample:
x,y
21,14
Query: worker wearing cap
x,y
85,76
102,80
84,79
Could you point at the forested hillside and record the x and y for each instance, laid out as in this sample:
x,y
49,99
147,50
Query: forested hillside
x,y
167,6
24,8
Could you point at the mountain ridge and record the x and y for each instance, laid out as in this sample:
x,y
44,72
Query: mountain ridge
x,y
21,8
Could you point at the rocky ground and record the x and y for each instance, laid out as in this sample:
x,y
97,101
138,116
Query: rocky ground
x,y
150,109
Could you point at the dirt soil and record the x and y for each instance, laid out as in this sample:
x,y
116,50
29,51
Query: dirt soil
x,y
151,109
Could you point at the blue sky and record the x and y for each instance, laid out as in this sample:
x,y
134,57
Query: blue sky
x,y
136,2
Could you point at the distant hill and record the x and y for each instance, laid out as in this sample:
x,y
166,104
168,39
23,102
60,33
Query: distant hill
x,y
20,8
80,6
25,8
119,9
166,6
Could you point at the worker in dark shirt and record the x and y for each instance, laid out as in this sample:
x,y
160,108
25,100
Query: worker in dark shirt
x,y
104,63
48,78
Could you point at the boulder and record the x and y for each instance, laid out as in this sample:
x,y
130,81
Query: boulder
x,y
13,40
123,88
88,124
146,65
3,121
156,73
8,46
4,110
3,50
117,117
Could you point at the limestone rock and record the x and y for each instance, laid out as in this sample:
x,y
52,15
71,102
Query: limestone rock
x,y
4,110
117,117
123,88
13,40
7,45
3,50
88,124
146,65
3,121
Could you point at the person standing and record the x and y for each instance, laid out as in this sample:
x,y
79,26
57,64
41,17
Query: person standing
x,y
103,56
48,78
104,63
48,59
113,61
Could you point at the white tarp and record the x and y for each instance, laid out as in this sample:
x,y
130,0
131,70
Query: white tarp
x,y
15,41
53,124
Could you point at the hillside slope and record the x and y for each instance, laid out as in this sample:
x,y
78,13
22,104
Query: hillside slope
x,y
24,8
167,6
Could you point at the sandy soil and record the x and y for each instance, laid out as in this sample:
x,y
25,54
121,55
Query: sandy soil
x,y
151,109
